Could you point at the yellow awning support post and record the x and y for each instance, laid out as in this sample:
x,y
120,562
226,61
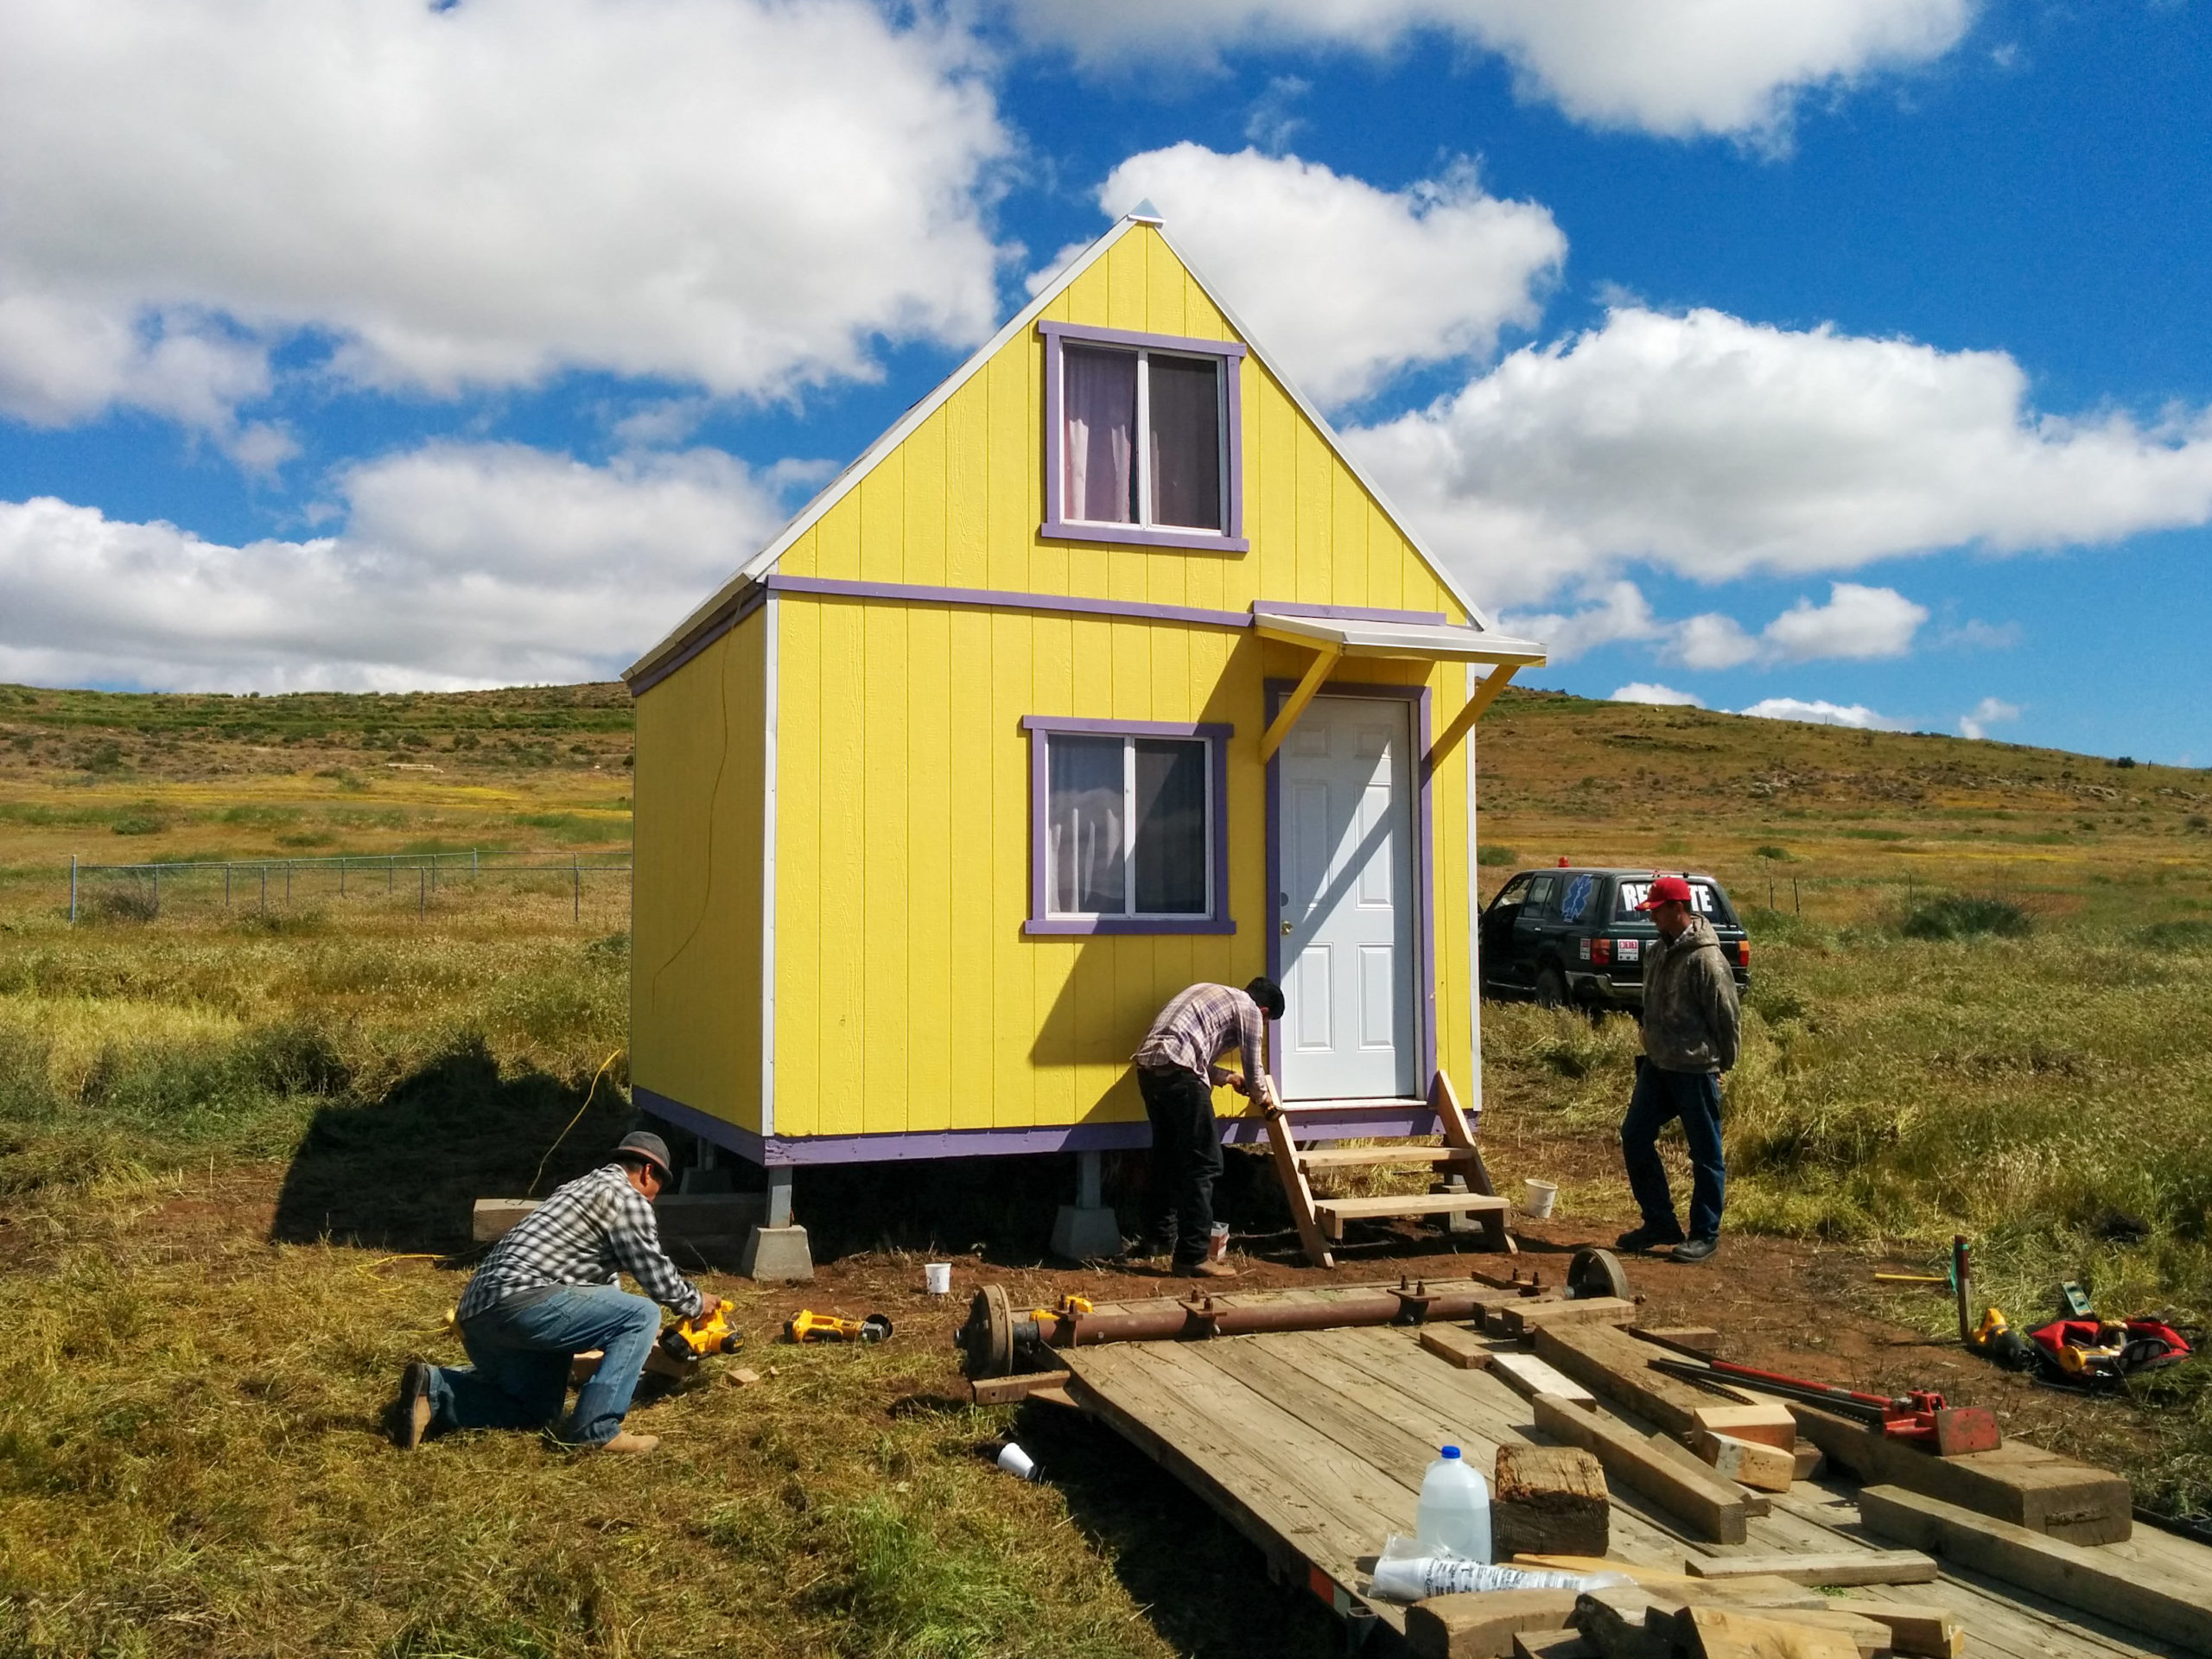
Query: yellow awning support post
x,y
1485,694
1326,655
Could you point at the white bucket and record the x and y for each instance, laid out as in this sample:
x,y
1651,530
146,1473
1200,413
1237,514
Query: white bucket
x,y
1537,1198
1017,1462
936,1278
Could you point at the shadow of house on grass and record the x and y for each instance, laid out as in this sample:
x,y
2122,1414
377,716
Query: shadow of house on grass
x,y
402,1173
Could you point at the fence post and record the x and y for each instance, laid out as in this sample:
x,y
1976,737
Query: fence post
x,y
157,889
264,889
73,889
288,881
576,881
390,865
341,877
472,861
422,892
227,884
1796,898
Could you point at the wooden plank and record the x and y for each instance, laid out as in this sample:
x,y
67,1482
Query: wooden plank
x,y
1756,1504
1617,1367
1345,1418
1769,1421
1375,1157
2177,1610
1528,1376
1456,1345
1451,1120
1526,1317
1482,1625
1694,1341
2016,1483
1748,1463
1707,1504
1410,1204
1295,1191
1842,1567
1915,1627
1006,1390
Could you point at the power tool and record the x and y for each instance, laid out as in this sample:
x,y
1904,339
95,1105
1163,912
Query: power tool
x,y
709,1332
806,1325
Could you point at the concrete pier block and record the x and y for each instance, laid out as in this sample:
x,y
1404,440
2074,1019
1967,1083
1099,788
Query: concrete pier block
x,y
777,1253
1084,1234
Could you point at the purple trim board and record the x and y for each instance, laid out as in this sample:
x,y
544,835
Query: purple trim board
x,y
1004,600
1276,692
1058,527
790,1151
1041,924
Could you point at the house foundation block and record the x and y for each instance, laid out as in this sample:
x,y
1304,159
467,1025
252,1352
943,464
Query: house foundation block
x,y
777,1253
1085,1234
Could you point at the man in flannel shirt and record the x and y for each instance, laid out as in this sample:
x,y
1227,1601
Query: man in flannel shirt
x,y
1177,1075
549,1290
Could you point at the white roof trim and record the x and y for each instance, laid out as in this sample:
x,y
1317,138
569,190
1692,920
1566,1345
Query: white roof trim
x,y
1354,636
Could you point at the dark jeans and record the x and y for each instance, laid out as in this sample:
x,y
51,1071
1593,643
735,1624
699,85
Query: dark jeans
x,y
519,1350
1694,1096
1186,1160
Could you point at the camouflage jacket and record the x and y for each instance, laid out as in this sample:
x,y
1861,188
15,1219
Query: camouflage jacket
x,y
1690,1015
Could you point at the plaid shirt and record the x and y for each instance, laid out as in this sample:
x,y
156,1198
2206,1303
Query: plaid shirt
x,y
1206,1021
585,1234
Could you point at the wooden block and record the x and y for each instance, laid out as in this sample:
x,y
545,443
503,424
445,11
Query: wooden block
x,y
1812,1463
1708,1506
1935,1632
1616,1367
1755,1504
1842,1567
2154,1600
1697,1341
1761,1591
1597,1564
1726,1633
743,1377
1613,1622
1494,1303
1522,1318
1750,1463
1554,1644
1456,1345
1548,1499
1006,1390
1769,1421
493,1218
2018,1482
1528,1376
1482,1625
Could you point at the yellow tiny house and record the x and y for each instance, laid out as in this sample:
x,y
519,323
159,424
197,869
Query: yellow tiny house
x,y
1103,671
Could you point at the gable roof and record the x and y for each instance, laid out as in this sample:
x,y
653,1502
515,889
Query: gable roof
x,y
727,599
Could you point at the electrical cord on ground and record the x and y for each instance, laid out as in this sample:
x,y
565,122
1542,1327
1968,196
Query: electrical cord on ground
x,y
532,1191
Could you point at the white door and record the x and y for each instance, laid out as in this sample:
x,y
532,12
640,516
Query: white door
x,y
1347,916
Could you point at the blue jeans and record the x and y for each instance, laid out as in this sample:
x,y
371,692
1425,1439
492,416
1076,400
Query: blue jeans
x,y
1694,1096
519,1350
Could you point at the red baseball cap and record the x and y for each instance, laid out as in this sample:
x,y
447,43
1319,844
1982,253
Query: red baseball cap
x,y
1667,889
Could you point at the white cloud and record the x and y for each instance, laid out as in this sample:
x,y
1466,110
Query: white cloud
x,y
1857,622
1348,284
1711,640
1990,711
1645,691
458,565
737,194
1715,449
1820,713
1973,635
1679,67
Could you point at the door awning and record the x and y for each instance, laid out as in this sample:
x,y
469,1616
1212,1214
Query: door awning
x,y
1435,642
1332,638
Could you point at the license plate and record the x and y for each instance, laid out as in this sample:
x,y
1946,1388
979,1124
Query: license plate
x,y
1631,950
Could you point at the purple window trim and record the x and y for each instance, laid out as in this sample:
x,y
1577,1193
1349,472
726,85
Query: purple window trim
x,y
1348,612
789,1151
741,605
1424,852
997,599
1043,925
1056,527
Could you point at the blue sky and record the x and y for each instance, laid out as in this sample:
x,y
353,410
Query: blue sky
x,y
1846,359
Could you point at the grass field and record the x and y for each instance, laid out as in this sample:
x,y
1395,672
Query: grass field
x,y
235,1145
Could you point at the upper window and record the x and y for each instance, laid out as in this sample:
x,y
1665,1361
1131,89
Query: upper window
x,y
1141,439
1128,823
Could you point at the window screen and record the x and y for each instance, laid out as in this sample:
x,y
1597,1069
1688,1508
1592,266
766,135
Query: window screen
x,y
1089,827
1127,823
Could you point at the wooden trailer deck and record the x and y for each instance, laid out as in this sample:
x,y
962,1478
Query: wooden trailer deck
x,y
1313,1443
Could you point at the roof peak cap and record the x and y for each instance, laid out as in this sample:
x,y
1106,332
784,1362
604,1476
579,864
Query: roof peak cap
x,y
1145,213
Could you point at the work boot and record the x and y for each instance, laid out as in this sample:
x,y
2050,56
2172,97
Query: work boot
x,y
624,1440
1695,1250
1648,1238
412,1411
1206,1270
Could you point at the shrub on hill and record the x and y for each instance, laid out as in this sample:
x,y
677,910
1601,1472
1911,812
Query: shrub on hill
x,y
1963,916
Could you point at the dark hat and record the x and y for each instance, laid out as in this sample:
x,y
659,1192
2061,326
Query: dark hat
x,y
648,1145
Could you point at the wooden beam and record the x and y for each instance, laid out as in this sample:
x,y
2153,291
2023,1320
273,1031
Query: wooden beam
x,y
1326,658
1934,1631
1528,1316
1842,1567
1456,1345
1008,1390
1619,1369
1707,1505
2153,1599
1482,1625
1528,1376
1485,694
1451,1120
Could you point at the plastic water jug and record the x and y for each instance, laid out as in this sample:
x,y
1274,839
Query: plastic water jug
x,y
1455,1507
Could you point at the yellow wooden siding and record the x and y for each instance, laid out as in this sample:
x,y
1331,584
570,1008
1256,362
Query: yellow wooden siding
x,y
908,998
695,956
959,503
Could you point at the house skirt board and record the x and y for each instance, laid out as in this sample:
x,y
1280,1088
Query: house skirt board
x,y
782,1151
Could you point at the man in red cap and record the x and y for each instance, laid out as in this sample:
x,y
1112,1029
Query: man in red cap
x,y
1690,1025
549,1290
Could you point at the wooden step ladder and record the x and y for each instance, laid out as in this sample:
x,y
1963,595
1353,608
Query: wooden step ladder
x,y
1320,1221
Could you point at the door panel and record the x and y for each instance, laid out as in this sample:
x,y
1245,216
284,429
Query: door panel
x,y
1347,903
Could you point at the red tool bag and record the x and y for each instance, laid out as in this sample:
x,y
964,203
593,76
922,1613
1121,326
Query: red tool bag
x,y
2092,1351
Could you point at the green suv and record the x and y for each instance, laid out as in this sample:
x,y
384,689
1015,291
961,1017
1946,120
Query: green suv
x,y
1574,936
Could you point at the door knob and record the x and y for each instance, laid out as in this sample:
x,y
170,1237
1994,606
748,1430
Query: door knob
x,y
1286,930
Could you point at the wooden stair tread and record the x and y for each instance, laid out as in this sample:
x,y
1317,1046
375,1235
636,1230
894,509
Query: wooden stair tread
x,y
1361,1157
1411,1203
1298,1108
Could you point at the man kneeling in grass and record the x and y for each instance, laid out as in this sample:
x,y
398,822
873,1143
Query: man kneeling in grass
x,y
550,1290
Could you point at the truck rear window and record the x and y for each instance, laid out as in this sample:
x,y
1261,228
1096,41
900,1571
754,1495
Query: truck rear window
x,y
1708,899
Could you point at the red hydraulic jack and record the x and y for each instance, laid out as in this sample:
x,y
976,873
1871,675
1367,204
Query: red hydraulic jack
x,y
1920,1418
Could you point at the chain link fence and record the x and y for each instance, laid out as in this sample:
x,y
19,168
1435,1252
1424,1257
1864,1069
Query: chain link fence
x,y
266,886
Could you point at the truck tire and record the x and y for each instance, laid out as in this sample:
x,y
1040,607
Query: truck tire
x,y
1551,989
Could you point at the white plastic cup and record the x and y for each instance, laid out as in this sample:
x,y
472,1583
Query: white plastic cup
x,y
1537,1198
936,1278
1017,1462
